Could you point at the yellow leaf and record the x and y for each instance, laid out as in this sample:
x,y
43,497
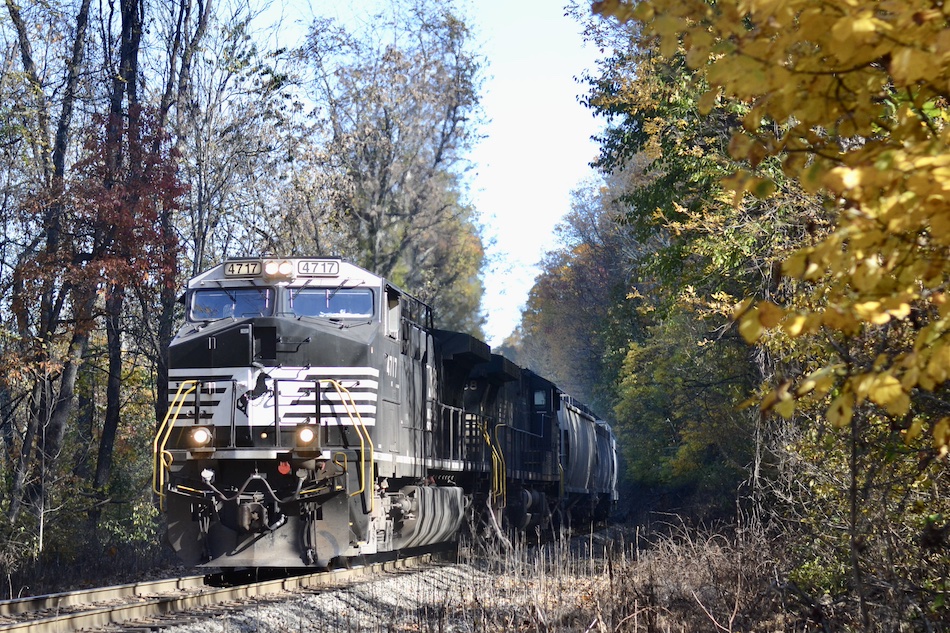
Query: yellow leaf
x,y
939,366
794,325
843,178
696,56
939,299
793,165
643,11
897,308
867,275
913,432
841,409
871,311
837,320
862,385
739,145
668,27
941,435
785,408
899,406
749,326
770,314
910,64
617,9
740,308
885,390
812,271
794,266
940,226
748,402
910,378
820,381
707,102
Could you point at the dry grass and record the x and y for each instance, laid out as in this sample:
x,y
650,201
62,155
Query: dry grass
x,y
617,580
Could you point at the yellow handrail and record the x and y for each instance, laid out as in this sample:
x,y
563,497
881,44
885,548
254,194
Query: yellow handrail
x,y
503,480
497,461
162,459
350,405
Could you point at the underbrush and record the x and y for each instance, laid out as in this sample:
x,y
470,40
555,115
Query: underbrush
x,y
674,579
669,579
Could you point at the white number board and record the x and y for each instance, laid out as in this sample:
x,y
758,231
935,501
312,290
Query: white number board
x,y
242,269
318,268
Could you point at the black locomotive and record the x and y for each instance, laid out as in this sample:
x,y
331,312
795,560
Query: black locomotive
x,y
316,413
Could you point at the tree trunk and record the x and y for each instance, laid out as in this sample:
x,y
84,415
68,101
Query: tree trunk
x,y
59,416
110,426
177,91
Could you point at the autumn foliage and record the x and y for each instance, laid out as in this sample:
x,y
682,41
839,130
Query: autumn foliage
x,y
851,98
790,211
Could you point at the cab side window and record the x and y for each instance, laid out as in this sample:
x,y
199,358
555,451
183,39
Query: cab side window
x,y
393,314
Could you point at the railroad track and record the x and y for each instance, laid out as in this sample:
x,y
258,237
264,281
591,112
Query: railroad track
x,y
160,600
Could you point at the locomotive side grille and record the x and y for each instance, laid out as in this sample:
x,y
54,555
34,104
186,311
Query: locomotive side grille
x,y
212,392
362,383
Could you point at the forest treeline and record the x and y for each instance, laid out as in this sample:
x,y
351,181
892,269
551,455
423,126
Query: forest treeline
x,y
753,292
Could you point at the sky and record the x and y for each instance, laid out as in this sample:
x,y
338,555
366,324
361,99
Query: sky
x,y
537,147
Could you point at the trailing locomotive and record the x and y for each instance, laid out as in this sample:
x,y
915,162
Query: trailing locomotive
x,y
316,413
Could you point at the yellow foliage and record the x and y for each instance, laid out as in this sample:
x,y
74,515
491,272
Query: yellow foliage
x,y
820,382
887,391
941,435
913,432
770,314
851,96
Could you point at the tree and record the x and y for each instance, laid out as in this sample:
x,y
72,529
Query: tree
x,y
849,99
574,326
398,104
38,278
232,129
859,115
87,230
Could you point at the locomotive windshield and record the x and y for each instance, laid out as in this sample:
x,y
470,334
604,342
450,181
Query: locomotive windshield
x,y
333,302
224,303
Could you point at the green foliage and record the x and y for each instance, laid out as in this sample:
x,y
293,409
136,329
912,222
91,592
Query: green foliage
x,y
676,412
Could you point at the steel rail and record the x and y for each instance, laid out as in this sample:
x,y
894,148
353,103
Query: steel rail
x,y
149,606
99,594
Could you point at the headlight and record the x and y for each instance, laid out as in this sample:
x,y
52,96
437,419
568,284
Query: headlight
x,y
201,436
279,269
306,435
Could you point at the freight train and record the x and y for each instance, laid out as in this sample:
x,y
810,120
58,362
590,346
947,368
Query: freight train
x,y
316,414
